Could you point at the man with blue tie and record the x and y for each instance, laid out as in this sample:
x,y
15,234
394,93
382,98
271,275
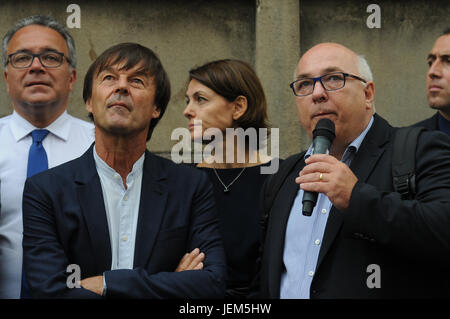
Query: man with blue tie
x,y
124,216
39,61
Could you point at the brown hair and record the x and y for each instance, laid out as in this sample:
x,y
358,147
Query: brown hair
x,y
132,54
230,79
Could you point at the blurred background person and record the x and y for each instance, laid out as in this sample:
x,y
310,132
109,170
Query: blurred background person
x,y
438,85
228,94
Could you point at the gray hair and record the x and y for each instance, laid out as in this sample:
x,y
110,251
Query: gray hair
x,y
365,72
364,68
45,21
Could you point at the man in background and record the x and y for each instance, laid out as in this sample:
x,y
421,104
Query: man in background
x,y
438,85
39,61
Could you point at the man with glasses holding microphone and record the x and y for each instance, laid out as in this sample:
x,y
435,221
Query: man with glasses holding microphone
x,y
39,61
362,240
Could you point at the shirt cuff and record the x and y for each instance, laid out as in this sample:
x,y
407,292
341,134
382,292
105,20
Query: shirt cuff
x,y
104,286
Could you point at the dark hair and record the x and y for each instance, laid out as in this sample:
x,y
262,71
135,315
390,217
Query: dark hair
x,y
45,21
132,54
230,79
446,31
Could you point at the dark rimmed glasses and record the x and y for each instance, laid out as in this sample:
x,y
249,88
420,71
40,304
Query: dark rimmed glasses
x,y
330,82
48,59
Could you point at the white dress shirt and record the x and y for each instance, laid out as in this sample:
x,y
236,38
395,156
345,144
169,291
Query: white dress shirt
x,y
68,139
122,209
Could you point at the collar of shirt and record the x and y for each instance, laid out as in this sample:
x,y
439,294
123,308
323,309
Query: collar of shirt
x,y
444,124
105,170
21,128
122,209
351,149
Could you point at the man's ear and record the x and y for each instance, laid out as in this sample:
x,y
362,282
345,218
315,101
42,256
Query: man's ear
x,y
369,91
72,79
5,74
88,105
240,105
156,112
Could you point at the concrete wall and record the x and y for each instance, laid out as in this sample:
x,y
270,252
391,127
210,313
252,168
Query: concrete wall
x,y
183,33
269,34
396,52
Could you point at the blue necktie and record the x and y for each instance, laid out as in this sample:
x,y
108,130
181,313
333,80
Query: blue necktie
x,y
37,162
37,157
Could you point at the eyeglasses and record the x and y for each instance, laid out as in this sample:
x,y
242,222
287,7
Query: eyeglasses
x,y
48,59
330,82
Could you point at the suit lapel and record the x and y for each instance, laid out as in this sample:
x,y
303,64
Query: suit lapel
x,y
362,165
151,208
91,200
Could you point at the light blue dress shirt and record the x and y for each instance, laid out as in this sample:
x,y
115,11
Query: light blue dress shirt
x,y
122,209
304,235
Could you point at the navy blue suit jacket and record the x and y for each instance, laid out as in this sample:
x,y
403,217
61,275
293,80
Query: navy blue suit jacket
x,y
65,223
431,123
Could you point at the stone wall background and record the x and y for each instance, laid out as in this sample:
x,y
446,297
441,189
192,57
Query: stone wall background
x,y
269,34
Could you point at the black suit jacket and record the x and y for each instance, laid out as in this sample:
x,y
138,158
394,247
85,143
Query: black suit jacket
x,y
65,223
431,123
408,239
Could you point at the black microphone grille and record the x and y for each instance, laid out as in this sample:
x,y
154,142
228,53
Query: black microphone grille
x,y
324,127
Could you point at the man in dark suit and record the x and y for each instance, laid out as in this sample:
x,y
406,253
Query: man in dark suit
x,y
362,240
438,85
119,214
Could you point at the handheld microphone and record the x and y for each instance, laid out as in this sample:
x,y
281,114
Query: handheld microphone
x,y
323,136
